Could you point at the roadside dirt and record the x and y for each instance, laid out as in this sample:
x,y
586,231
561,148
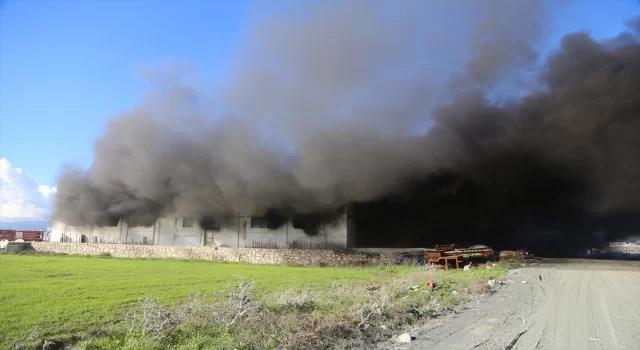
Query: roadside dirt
x,y
565,304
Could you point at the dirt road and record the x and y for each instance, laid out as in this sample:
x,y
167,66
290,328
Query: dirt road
x,y
577,304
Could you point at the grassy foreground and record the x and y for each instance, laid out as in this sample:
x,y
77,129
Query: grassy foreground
x,y
95,302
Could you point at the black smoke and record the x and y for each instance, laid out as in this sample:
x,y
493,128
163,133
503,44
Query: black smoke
x,y
553,171
314,223
432,122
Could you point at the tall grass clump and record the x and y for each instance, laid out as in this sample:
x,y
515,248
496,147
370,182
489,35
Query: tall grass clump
x,y
344,316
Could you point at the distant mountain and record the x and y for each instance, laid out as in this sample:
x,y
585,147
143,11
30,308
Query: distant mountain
x,y
24,225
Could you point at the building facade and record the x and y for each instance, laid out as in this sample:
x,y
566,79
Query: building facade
x,y
242,232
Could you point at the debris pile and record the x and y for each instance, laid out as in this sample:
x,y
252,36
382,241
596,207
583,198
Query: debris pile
x,y
516,255
521,256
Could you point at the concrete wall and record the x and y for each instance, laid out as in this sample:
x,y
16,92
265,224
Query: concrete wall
x,y
253,256
106,234
165,231
281,237
331,236
238,233
337,233
188,236
138,234
57,229
228,234
63,232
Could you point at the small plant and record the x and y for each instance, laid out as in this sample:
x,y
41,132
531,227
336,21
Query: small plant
x,y
149,319
241,298
199,309
304,303
226,307
35,334
379,300
29,342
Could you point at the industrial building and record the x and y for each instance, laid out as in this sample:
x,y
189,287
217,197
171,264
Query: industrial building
x,y
242,232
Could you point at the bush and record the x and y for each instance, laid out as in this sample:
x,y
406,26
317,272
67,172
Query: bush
x,y
370,313
148,319
344,316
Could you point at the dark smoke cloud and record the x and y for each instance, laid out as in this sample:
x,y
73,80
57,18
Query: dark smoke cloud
x,y
327,108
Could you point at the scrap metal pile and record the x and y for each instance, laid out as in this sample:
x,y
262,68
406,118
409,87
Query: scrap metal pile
x,y
445,256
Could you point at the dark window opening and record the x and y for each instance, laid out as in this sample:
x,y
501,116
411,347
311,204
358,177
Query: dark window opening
x,y
271,220
187,222
209,223
259,222
111,221
140,222
313,224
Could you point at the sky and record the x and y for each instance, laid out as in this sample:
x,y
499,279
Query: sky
x,y
67,67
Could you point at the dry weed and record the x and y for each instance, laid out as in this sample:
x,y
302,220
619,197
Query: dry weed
x,y
479,287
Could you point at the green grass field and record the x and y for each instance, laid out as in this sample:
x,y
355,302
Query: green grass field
x,y
69,294
65,296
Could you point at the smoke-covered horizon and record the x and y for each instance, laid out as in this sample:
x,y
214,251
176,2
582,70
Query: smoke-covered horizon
x,y
355,101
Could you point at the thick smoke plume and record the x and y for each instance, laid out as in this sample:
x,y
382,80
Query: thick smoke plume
x,y
353,102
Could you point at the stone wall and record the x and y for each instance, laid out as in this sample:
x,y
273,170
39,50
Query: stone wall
x,y
247,255
625,249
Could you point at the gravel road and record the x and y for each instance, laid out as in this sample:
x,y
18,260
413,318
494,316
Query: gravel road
x,y
570,304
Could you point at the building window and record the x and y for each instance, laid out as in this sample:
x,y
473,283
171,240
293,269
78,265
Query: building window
x,y
187,222
259,222
209,223
138,222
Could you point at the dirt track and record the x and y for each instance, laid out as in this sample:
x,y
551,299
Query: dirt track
x,y
579,304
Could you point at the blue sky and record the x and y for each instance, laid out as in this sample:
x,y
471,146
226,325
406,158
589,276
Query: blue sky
x,y
66,67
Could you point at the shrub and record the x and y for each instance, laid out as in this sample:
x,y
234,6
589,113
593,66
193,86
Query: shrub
x,y
346,315
148,319
231,305
370,312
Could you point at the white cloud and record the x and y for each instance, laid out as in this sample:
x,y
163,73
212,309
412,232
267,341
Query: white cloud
x,y
22,197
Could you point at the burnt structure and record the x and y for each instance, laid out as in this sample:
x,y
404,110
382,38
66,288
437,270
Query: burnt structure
x,y
484,143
